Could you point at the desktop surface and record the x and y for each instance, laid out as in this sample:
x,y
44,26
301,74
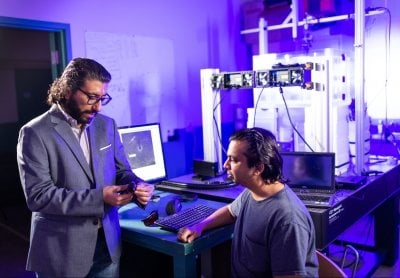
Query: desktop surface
x,y
227,194
184,255
200,182
218,193
131,216
379,195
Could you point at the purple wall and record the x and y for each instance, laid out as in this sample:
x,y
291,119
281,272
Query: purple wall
x,y
202,34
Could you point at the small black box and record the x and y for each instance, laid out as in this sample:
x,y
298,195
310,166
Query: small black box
x,y
350,182
205,168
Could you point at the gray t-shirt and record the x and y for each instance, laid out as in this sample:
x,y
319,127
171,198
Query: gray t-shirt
x,y
275,236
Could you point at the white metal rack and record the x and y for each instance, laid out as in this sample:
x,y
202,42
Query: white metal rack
x,y
211,115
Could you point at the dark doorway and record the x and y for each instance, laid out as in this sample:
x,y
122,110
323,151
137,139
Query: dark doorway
x,y
32,54
31,91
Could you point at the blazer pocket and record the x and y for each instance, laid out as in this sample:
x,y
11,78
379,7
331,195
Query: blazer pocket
x,y
50,225
105,147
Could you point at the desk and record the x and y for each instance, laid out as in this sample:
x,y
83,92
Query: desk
x,y
378,197
184,254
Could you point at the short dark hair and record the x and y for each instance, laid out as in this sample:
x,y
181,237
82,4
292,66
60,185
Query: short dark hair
x,y
74,76
262,149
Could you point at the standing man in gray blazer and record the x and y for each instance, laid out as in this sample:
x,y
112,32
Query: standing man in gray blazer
x,y
75,175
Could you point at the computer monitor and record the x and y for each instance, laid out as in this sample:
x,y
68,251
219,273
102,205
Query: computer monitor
x,y
309,170
144,150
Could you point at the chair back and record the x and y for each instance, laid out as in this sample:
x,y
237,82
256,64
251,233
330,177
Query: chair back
x,y
328,268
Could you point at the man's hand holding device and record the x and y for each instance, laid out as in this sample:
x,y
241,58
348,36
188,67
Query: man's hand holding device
x,y
142,193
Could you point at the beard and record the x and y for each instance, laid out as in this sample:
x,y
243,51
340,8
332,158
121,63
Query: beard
x,y
83,117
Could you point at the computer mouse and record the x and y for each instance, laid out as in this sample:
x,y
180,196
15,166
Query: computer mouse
x,y
173,206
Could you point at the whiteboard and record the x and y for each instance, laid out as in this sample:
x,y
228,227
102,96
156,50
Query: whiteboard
x,y
143,72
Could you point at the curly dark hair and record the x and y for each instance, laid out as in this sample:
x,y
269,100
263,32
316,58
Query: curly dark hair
x,y
74,76
262,149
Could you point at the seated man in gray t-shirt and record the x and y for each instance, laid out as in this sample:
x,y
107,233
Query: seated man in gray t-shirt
x,y
274,233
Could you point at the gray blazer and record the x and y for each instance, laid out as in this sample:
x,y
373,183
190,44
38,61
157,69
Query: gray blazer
x,y
65,194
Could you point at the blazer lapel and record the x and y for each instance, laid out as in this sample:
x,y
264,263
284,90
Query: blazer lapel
x,y
66,133
93,153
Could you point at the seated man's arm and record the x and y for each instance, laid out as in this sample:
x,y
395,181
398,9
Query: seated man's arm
x,y
219,218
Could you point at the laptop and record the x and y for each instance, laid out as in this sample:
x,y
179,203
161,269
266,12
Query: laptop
x,y
144,150
311,175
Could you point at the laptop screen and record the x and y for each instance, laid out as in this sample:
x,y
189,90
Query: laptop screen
x,y
309,170
144,150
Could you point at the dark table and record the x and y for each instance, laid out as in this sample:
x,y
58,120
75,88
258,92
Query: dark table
x,y
154,238
378,197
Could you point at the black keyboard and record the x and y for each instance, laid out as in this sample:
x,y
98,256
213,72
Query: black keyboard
x,y
314,198
185,217
320,201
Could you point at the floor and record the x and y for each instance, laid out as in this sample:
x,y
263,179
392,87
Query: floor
x,y
14,240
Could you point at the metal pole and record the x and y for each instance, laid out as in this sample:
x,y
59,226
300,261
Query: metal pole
x,y
359,40
262,36
295,18
209,97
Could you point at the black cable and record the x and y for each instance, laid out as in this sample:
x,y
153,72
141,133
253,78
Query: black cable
x,y
290,119
216,124
219,103
255,107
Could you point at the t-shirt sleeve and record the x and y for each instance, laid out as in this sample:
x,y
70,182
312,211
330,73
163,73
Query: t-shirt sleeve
x,y
293,237
236,205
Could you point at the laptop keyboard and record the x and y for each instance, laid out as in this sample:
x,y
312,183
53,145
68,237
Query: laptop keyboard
x,y
314,198
185,217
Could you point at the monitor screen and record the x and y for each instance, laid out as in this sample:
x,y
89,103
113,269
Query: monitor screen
x,y
144,150
312,170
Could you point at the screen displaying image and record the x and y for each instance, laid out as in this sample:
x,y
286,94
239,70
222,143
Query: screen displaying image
x,y
144,150
139,148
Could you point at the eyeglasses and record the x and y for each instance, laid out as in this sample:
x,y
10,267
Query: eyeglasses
x,y
93,99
